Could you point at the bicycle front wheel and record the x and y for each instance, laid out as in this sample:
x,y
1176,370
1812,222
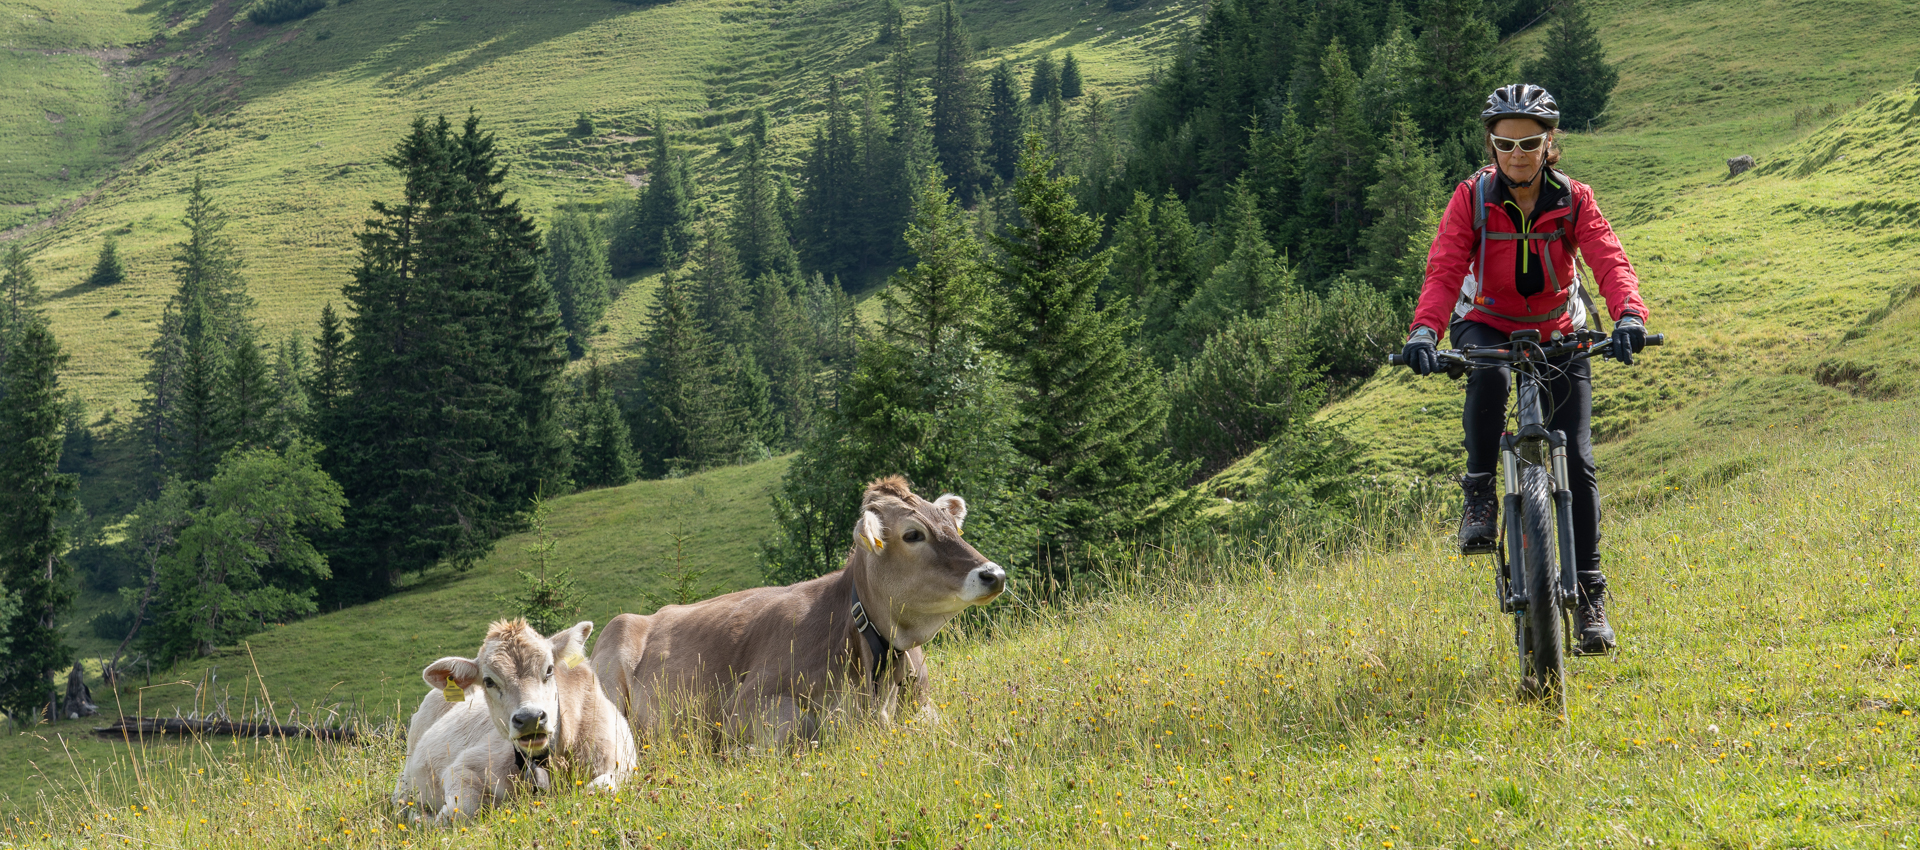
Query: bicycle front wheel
x,y
1545,650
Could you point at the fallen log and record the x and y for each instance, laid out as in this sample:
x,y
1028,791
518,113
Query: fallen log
x,y
128,729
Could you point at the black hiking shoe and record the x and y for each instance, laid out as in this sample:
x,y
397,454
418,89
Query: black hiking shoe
x,y
1590,620
1479,516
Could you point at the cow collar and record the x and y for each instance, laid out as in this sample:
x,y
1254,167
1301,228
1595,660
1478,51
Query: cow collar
x,y
883,650
533,769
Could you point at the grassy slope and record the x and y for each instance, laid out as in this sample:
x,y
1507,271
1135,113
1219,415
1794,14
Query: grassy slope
x,y
297,125
1769,488
624,547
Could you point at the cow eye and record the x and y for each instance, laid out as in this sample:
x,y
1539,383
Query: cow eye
x,y
549,671
913,535
488,682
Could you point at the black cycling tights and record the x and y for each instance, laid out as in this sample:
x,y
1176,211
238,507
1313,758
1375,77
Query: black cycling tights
x,y
1569,407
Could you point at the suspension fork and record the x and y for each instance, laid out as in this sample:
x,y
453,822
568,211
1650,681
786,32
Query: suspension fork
x,y
1563,512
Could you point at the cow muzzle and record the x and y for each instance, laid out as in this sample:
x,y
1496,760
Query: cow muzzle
x,y
984,583
530,733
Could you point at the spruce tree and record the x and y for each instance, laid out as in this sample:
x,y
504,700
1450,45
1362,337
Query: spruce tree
x,y
244,401
893,22
1249,280
1387,88
207,317
759,235
683,419
1071,86
603,446
1175,274
1337,168
1089,406
326,388
662,221
1045,84
1404,202
575,266
1460,62
108,270
956,106
1574,68
449,423
20,296
879,204
1006,122
292,411
833,181
35,580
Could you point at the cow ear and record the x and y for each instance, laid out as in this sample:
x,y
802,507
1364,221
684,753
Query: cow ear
x,y
955,506
870,533
452,676
570,646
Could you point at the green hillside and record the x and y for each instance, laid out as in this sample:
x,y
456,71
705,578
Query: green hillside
x,y
1761,519
288,124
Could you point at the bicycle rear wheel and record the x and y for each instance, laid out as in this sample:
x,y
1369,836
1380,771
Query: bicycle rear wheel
x,y
1544,648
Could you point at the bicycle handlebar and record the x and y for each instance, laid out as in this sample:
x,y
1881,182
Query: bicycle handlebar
x,y
1586,343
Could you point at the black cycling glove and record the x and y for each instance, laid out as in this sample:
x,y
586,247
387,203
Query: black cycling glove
x,y
1629,337
1420,354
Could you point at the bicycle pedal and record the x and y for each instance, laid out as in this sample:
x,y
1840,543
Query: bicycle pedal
x,y
1577,652
1478,549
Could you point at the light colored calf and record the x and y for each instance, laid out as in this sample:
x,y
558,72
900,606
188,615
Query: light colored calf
x,y
769,663
539,701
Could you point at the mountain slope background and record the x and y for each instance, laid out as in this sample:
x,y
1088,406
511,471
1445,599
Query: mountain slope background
x,y
1760,526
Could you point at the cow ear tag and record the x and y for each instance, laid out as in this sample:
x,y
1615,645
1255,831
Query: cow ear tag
x,y
573,658
452,691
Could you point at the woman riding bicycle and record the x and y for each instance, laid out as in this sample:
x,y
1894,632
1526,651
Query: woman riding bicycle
x,y
1515,271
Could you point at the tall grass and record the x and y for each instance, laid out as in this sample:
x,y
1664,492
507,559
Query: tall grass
x,y
1764,695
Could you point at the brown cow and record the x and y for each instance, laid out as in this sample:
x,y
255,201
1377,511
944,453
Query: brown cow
x,y
766,664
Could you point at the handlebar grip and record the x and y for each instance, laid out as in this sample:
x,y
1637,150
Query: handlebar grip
x,y
1656,339
1395,359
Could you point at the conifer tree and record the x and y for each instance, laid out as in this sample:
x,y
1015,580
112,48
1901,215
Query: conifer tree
x,y
1071,86
880,204
450,421
1404,202
662,222
1006,122
1574,68
683,419
781,348
1089,406
35,580
1459,64
1136,253
1045,84
893,22
832,187
244,401
326,388
603,446
1249,382
575,266
759,235
108,270
1250,278
291,411
956,106
208,315
1170,280
1387,87
1338,166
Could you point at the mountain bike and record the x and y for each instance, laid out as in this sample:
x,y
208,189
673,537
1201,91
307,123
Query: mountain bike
x,y
1534,567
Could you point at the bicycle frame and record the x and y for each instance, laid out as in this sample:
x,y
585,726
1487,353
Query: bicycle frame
x,y
1532,444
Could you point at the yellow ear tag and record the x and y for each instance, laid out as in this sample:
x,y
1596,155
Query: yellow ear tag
x,y
876,544
959,532
573,658
453,693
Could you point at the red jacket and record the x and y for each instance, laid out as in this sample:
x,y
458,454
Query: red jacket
x,y
1456,249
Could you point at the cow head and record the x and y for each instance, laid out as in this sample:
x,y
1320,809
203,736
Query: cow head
x,y
515,671
917,561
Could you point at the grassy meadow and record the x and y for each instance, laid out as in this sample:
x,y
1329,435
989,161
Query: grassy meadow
x,y
1764,695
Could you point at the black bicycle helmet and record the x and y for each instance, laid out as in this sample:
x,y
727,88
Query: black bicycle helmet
x,y
1521,100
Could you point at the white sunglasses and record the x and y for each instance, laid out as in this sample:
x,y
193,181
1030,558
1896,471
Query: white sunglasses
x,y
1528,143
